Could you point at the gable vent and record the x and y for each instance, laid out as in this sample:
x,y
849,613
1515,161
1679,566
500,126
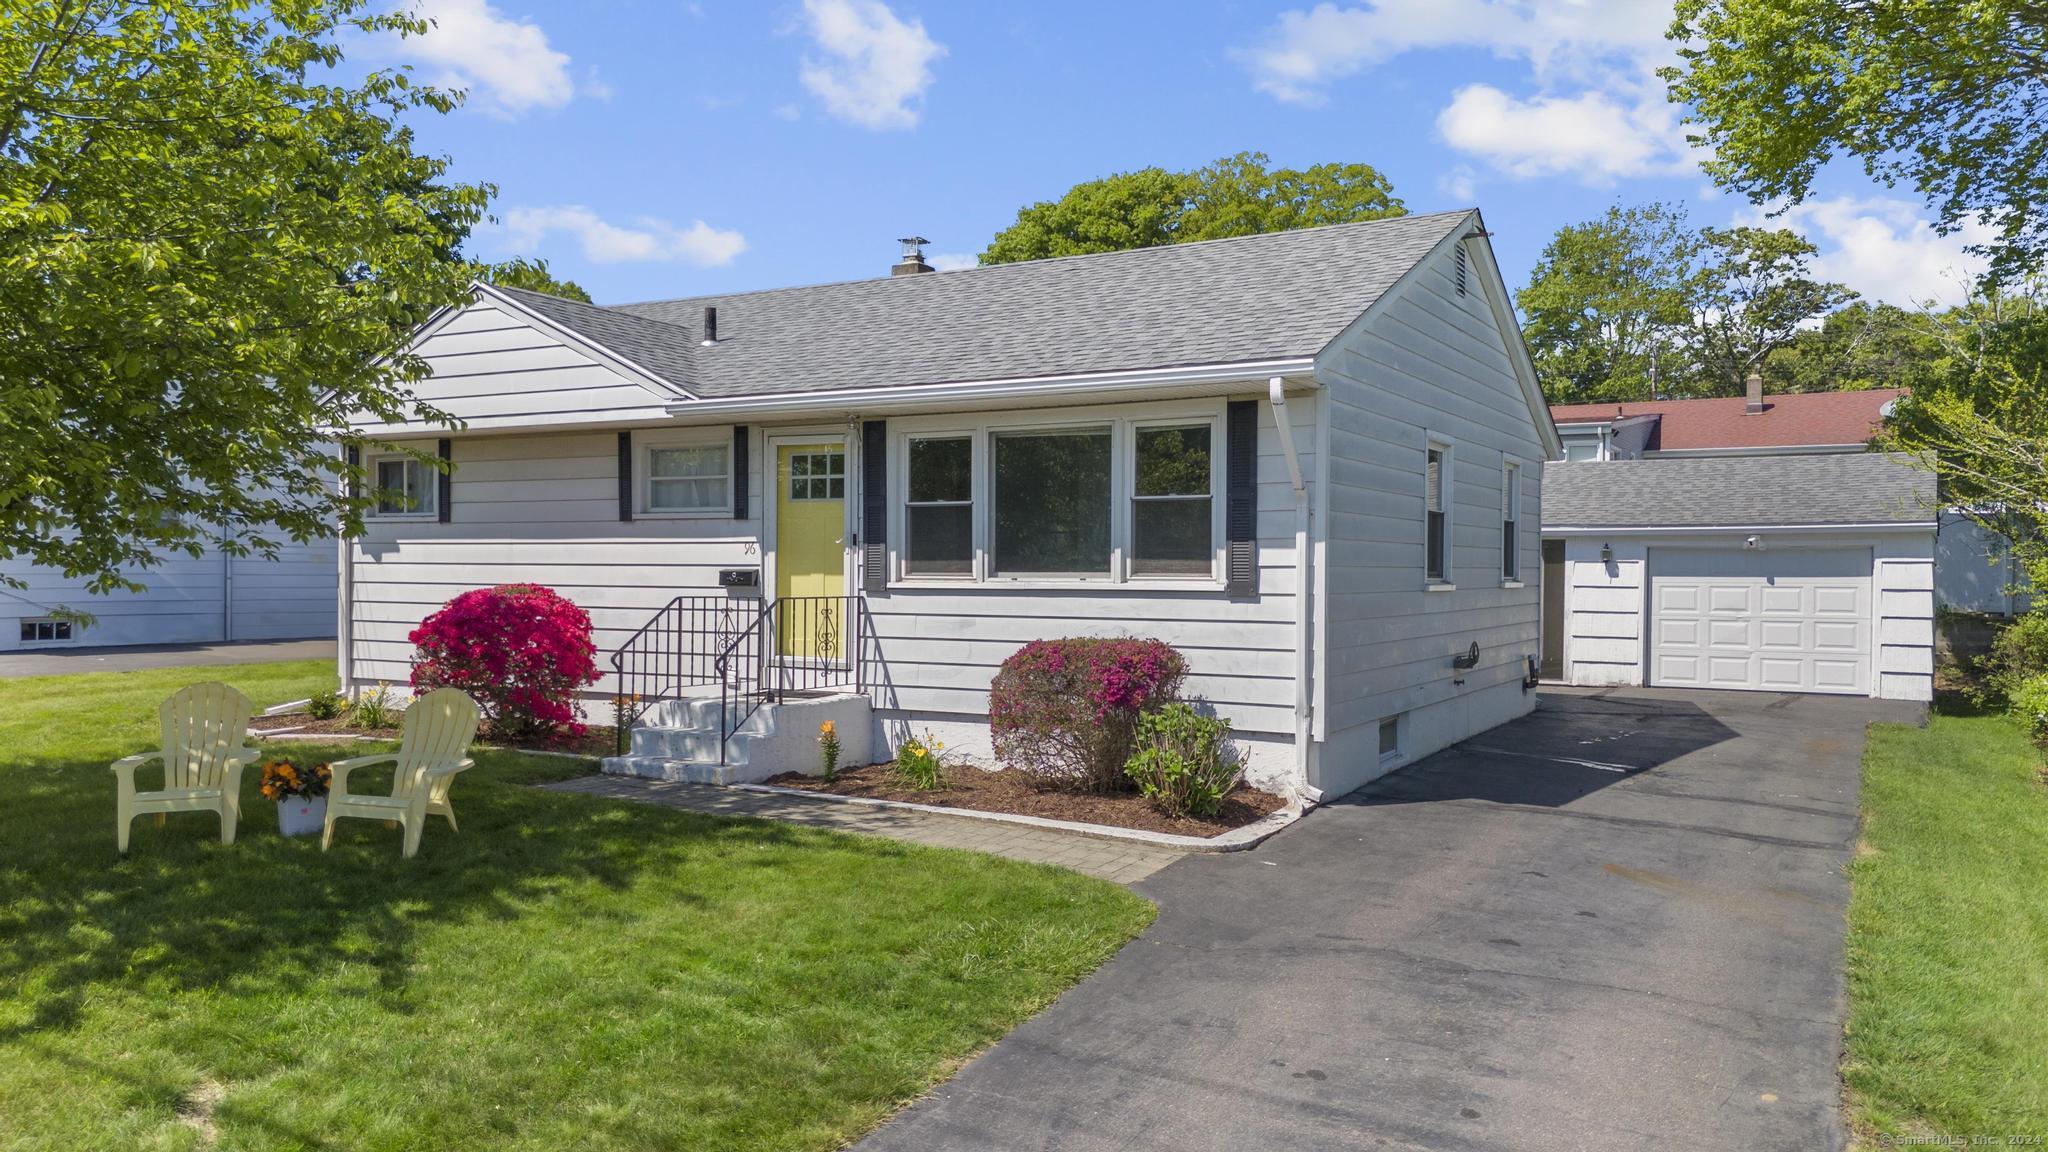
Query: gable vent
x,y
1461,271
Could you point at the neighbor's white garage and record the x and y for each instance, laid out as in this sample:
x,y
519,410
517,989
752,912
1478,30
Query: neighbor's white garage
x,y
1760,573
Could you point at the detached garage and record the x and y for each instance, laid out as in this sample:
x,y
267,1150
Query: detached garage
x,y
1773,573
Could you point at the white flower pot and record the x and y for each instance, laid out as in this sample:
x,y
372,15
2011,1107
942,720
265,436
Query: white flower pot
x,y
301,815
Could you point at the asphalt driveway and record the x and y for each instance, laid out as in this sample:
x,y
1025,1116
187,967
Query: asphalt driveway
x,y
64,661
1616,923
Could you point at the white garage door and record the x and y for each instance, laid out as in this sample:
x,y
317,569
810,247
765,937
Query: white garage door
x,y
1791,620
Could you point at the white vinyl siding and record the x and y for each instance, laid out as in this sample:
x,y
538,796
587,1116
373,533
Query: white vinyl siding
x,y
204,599
1426,365
544,508
496,370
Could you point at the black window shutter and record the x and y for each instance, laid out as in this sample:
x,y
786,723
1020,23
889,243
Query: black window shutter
x,y
1241,497
874,500
444,482
739,472
355,461
626,475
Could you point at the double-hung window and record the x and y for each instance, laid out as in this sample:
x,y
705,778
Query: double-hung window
x,y
1510,541
1052,502
939,506
1436,505
1172,521
405,486
688,479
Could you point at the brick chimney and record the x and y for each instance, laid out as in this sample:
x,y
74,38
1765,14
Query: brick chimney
x,y
1756,395
913,257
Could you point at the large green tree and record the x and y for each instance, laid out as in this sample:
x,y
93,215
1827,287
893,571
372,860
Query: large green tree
x,y
534,276
1750,297
211,239
1637,305
1608,304
1863,345
1949,97
1236,196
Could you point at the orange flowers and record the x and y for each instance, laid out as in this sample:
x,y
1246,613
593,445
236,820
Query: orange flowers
x,y
283,780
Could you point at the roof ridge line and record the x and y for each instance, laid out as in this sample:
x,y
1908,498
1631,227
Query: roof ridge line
x,y
1125,252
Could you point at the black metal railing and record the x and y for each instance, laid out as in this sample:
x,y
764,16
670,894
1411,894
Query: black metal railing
x,y
799,645
755,652
679,648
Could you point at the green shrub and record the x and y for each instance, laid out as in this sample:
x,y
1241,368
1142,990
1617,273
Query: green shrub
x,y
2019,654
326,705
921,762
2030,704
1184,764
374,709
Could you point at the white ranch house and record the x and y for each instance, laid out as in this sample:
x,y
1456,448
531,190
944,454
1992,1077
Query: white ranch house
x,y
1313,461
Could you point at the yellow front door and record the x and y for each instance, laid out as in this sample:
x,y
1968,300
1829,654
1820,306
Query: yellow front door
x,y
810,549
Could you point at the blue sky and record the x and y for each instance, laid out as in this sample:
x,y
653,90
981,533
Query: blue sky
x,y
650,149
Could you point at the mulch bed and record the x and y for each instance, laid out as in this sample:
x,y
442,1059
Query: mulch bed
x,y
1013,792
595,741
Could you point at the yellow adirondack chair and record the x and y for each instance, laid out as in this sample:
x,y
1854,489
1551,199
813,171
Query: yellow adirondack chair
x,y
431,750
205,728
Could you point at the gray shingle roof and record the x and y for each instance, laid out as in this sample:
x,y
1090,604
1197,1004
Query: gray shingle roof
x,y
1270,296
1737,491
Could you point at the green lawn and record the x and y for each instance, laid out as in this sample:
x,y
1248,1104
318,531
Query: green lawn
x,y
567,973
1948,934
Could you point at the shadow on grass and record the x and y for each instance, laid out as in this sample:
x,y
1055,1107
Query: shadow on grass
x,y
184,912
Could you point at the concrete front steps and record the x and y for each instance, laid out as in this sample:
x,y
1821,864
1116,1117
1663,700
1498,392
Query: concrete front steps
x,y
678,740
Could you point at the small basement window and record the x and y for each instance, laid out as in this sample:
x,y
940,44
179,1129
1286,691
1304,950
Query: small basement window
x,y
45,631
1390,737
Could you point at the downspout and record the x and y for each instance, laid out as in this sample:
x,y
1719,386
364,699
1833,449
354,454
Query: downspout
x,y
1302,726
345,607
227,591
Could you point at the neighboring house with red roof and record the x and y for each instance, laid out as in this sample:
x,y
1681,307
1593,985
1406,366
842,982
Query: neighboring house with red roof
x,y
1752,542
1805,422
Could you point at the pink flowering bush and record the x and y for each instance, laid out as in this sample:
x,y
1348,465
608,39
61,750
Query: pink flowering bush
x,y
1066,711
520,650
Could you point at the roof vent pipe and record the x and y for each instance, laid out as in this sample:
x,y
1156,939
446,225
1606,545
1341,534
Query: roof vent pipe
x,y
710,327
913,257
1756,395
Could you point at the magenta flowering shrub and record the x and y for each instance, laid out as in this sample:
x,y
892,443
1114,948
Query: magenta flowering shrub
x,y
522,651
1066,711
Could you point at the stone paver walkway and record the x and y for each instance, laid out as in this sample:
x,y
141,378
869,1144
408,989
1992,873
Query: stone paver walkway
x,y
1123,862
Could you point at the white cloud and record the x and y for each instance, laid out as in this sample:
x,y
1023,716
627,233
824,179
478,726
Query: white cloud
x,y
649,240
1883,248
952,261
1592,135
506,64
1597,110
1459,183
1300,55
875,66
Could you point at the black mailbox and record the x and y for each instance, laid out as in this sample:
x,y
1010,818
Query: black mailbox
x,y
739,577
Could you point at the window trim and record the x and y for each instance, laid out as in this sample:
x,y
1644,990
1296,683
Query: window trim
x,y
430,503
1390,755
1122,420
1510,521
644,447
1445,579
1128,499
976,504
70,628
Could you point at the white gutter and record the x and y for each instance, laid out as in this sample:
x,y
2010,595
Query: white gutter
x,y
986,392
1704,529
1276,395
